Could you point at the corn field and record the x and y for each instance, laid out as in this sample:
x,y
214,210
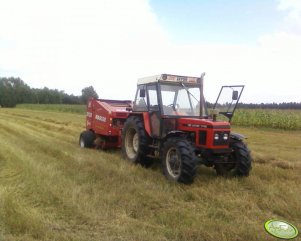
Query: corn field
x,y
278,119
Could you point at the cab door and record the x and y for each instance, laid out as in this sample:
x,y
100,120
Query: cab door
x,y
227,100
154,111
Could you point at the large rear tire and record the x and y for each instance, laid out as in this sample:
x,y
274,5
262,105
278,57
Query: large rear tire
x,y
241,157
86,139
135,142
179,160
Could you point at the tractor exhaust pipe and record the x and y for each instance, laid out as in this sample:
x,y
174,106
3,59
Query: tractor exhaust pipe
x,y
202,92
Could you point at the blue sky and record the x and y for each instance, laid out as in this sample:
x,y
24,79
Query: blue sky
x,y
71,44
217,21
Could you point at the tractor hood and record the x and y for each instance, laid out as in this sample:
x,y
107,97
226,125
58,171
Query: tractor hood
x,y
202,123
206,133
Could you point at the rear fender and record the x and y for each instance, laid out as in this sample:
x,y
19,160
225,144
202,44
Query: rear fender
x,y
147,124
146,121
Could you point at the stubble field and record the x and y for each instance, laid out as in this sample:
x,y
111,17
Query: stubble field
x,y
50,189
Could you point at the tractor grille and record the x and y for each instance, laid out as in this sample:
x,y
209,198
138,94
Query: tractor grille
x,y
221,141
202,137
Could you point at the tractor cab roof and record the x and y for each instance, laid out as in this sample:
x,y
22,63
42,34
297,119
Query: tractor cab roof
x,y
169,78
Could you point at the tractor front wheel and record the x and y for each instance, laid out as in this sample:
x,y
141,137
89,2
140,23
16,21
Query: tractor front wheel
x,y
241,161
179,160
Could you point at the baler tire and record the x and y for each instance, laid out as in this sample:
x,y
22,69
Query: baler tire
x,y
241,156
135,142
86,139
180,149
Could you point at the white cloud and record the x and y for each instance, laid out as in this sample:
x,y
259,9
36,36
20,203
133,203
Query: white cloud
x,y
292,21
110,43
72,44
293,6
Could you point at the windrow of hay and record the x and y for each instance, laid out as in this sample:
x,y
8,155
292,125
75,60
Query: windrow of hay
x,y
50,189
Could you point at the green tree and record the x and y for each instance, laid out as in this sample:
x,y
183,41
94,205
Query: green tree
x,y
7,93
22,91
87,93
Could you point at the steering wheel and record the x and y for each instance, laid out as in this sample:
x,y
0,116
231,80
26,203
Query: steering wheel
x,y
172,106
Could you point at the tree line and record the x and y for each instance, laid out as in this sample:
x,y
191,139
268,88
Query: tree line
x,y
280,106
284,105
15,91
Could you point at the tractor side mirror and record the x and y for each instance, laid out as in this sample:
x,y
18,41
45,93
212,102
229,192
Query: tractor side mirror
x,y
234,95
142,93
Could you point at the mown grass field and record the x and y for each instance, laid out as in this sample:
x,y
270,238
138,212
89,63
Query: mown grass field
x,y
50,189
79,109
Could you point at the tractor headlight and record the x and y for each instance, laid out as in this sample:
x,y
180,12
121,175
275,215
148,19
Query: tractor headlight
x,y
216,136
226,136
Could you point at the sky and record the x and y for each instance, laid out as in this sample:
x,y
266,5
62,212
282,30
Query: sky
x,y
109,44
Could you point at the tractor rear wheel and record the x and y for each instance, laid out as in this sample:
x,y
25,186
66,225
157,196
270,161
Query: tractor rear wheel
x,y
179,160
135,142
86,139
241,157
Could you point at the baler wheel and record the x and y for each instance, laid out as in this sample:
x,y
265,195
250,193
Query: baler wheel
x,y
86,139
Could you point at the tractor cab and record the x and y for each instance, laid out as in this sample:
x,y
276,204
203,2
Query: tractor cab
x,y
171,96
168,98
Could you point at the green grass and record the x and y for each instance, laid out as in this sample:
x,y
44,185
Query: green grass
x,y
50,189
80,109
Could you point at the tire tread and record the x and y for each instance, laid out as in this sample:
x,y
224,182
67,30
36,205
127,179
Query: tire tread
x,y
188,158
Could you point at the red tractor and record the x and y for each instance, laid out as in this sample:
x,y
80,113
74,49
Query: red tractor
x,y
169,120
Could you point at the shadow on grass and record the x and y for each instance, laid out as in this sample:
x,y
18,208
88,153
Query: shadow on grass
x,y
204,174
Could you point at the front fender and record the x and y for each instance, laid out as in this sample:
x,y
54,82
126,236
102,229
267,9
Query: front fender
x,y
174,134
237,136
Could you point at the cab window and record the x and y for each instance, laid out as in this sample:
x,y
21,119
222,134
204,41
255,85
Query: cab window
x,y
140,103
153,98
